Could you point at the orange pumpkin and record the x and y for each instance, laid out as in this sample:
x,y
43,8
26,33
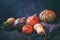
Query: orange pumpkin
x,y
39,29
32,20
27,29
47,16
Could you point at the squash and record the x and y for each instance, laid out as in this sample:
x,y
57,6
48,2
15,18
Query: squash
x,y
9,23
47,16
32,20
11,20
27,29
39,29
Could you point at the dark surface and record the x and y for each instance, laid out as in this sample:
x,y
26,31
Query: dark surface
x,y
12,36
20,8
56,37
52,33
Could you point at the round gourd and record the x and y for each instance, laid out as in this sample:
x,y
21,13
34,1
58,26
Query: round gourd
x,y
47,16
32,20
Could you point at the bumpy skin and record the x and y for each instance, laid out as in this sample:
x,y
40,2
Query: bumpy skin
x,y
7,25
47,16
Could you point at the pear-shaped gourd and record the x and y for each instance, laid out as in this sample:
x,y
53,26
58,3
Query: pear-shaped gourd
x,y
39,29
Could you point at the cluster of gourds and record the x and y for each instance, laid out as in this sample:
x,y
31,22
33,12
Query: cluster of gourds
x,y
32,22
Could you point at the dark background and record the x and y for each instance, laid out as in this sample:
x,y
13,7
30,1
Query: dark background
x,y
21,8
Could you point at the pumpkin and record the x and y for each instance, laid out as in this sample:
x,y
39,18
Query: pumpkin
x,y
47,16
39,29
27,29
11,20
9,23
32,20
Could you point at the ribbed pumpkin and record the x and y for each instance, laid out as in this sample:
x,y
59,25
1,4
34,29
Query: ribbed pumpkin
x,y
47,16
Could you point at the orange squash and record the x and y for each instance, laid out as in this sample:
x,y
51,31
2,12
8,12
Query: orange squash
x,y
27,29
32,20
47,16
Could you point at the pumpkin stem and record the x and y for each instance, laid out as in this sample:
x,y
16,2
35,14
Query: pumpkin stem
x,y
31,19
27,24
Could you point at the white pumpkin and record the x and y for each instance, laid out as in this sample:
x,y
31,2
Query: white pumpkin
x,y
39,29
